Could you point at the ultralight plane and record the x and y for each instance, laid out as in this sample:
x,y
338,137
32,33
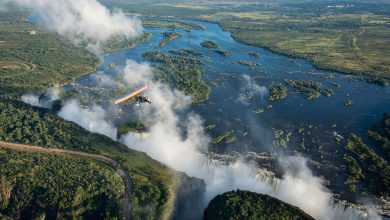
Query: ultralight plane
x,y
135,95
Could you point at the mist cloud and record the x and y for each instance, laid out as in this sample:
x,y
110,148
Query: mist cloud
x,y
92,119
250,89
85,21
31,99
46,99
176,137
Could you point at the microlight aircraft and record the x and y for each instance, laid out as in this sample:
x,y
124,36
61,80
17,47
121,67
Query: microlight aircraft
x,y
135,95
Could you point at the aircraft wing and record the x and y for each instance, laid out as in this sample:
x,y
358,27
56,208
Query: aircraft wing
x,y
132,94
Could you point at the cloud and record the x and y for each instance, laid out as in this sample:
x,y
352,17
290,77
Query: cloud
x,y
85,21
102,80
177,138
301,188
30,99
93,119
45,100
250,89
135,73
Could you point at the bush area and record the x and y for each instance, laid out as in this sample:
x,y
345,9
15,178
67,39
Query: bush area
x,y
209,44
223,53
221,137
249,205
375,169
35,185
277,92
133,126
183,72
381,134
355,172
122,43
312,88
168,36
152,181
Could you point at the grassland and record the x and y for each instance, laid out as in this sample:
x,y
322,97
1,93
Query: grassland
x,y
348,39
39,61
170,24
358,51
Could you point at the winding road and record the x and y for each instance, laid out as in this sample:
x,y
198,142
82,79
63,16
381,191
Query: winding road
x,y
112,163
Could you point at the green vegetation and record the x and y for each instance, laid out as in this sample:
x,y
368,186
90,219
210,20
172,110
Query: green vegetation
x,y
181,72
343,40
221,137
349,102
258,111
375,168
307,86
170,24
312,88
373,80
230,139
381,134
38,185
37,61
210,127
160,57
209,44
277,92
248,63
42,59
35,185
355,172
253,54
168,37
151,196
281,138
137,127
327,92
249,205
223,53
349,39
186,52
123,43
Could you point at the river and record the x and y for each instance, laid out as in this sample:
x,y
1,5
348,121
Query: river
x,y
311,122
